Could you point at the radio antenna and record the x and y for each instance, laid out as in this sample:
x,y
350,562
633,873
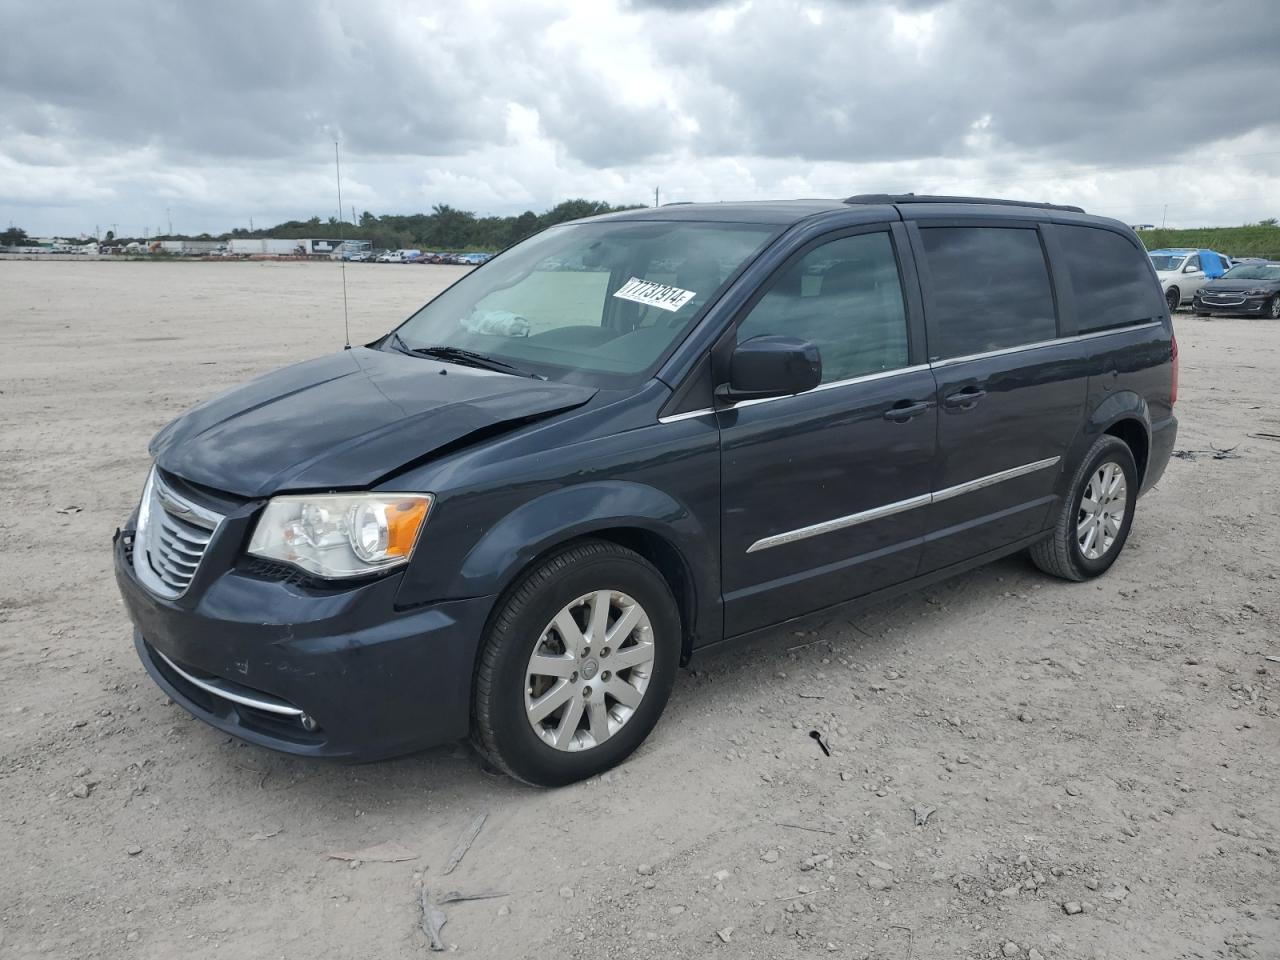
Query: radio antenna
x,y
342,249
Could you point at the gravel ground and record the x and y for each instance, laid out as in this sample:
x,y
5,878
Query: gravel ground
x,y
1100,759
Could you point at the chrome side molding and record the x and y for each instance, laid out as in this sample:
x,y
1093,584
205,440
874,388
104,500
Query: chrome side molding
x,y
900,506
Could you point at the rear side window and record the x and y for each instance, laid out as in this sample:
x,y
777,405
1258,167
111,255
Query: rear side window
x,y
990,290
844,296
1112,283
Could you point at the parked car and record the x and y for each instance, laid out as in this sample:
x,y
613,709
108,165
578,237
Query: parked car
x,y
515,515
1251,288
399,256
1183,271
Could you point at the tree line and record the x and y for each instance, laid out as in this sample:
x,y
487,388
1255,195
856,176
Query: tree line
x,y
444,228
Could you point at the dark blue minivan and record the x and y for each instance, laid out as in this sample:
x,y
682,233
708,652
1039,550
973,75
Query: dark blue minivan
x,y
633,436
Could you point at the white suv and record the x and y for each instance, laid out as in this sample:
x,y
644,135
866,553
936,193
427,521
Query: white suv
x,y
1183,271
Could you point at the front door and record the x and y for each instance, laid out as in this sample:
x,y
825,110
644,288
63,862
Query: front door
x,y
823,492
1011,393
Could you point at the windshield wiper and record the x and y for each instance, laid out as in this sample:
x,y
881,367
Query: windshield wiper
x,y
470,358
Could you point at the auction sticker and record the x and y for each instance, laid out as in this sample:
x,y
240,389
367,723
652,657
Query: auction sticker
x,y
654,294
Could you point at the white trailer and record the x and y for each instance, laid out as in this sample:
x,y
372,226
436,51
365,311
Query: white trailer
x,y
262,247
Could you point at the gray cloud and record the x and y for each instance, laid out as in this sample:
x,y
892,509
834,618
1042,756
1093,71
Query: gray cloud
x,y
225,108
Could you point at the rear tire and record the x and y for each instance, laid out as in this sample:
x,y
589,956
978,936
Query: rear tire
x,y
553,701
1173,298
1093,523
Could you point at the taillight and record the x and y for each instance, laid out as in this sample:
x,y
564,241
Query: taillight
x,y
1173,389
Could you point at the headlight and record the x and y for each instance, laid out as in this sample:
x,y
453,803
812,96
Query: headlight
x,y
341,534
1258,292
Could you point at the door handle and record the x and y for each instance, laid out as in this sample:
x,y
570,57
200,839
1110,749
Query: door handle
x,y
966,399
904,410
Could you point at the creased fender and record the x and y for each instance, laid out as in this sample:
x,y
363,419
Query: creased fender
x,y
532,529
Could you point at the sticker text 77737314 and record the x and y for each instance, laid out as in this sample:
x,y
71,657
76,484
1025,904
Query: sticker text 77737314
x,y
653,294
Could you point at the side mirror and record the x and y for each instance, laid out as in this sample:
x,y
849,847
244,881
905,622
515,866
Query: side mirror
x,y
1188,269
771,366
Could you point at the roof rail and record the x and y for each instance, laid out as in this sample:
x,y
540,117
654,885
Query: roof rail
x,y
924,198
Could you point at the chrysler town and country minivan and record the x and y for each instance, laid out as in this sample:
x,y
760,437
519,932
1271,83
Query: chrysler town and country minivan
x,y
632,437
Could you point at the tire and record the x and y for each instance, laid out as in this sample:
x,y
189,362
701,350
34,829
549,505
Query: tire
x,y
508,724
1173,298
1273,308
1063,554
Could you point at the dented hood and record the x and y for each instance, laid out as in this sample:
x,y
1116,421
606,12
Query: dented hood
x,y
345,421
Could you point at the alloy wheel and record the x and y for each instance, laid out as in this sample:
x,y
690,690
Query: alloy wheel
x,y
589,670
1102,509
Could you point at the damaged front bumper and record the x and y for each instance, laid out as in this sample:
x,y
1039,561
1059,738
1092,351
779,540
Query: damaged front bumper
x,y
335,673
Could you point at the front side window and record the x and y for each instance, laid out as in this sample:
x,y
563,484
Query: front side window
x,y
990,290
845,296
1193,264
593,303
1112,284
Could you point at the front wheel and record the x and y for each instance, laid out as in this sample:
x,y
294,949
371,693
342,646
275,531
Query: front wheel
x,y
1173,297
1093,523
1273,308
577,666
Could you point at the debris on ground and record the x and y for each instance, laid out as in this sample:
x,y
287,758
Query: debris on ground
x,y
386,852
456,896
464,842
1217,453
922,813
433,921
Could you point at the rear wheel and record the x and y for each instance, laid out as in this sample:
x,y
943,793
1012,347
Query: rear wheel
x,y
1173,297
578,665
1093,523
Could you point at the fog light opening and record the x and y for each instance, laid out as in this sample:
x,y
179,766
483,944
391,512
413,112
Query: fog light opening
x,y
308,723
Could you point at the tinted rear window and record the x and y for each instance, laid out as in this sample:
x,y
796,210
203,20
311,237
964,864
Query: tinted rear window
x,y
1112,283
990,289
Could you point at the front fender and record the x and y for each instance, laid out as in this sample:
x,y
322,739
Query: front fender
x,y
509,546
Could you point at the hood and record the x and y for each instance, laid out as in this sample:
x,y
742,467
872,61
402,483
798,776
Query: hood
x,y
1223,285
345,421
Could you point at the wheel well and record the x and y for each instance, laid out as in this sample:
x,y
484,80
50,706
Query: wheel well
x,y
669,562
1133,433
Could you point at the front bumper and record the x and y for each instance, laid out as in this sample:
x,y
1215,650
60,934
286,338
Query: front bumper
x,y
248,655
1249,305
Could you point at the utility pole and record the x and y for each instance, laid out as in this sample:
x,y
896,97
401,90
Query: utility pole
x,y
169,217
1164,216
353,214
251,224
655,196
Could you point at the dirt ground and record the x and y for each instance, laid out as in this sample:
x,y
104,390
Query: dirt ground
x,y
1111,745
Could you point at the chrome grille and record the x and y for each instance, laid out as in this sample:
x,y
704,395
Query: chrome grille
x,y
173,534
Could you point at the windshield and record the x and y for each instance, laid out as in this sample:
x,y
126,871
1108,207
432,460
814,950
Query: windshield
x,y
1165,262
590,302
1254,271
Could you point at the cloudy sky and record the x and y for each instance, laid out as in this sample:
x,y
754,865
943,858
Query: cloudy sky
x,y
136,113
